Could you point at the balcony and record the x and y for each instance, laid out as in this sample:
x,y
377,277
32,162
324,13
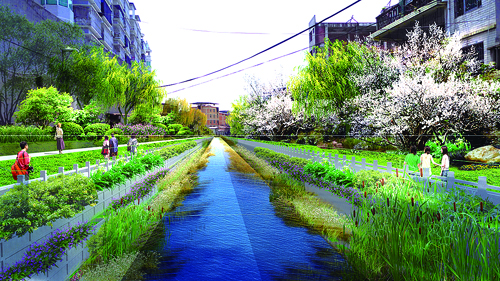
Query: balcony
x,y
398,11
393,22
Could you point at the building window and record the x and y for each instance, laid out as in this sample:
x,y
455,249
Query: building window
x,y
478,49
63,3
495,55
49,2
463,6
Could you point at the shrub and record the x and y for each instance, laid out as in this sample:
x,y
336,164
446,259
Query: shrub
x,y
24,209
122,139
142,131
270,155
173,129
184,132
160,125
72,131
98,128
172,151
13,134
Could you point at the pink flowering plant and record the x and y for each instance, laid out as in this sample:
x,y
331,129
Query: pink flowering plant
x,y
142,131
43,256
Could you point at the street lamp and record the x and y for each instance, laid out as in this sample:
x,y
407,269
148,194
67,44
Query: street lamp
x,y
66,50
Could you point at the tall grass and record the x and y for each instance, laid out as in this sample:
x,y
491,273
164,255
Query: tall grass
x,y
396,237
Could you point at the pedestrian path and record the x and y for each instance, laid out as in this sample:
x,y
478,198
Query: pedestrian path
x,y
38,154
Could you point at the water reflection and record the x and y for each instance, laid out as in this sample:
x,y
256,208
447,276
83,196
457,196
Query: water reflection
x,y
227,229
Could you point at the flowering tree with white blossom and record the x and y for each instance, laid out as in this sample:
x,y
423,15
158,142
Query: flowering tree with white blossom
x,y
435,94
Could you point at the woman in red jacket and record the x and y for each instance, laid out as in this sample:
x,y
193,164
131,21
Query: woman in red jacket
x,y
22,162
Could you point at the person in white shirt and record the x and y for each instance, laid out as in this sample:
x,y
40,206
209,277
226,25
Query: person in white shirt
x,y
445,161
426,159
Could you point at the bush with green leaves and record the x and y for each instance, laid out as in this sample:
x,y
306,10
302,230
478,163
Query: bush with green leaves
x,y
173,129
108,180
99,129
118,135
184,132
13,134
25,208
72,131
270,155
160,125
175,150
42,106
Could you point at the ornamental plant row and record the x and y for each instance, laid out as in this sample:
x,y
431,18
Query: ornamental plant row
x,y
140,189
295,167
41,257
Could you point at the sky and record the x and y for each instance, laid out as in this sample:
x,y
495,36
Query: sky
x,y
180,53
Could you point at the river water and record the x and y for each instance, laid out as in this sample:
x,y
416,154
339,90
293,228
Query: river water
x,y
227,229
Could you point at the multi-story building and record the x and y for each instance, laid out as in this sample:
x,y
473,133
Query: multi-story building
x,y
224,128
216,119
344,31
110,23
476,21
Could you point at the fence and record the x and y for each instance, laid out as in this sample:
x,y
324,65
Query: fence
x,y
13,250
479,188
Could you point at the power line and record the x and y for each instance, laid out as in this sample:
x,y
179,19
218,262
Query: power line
x,y
239,70
275,45
235,32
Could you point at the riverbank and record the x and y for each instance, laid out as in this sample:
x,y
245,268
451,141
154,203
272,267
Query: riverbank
x,y
291,195
141,255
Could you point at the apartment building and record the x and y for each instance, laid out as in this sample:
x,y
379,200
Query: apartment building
x,y
344,31
476,22
216,119
113,24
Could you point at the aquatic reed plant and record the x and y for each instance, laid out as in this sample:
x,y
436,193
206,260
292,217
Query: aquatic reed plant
x,y
396,237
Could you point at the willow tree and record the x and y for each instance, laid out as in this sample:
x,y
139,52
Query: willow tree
x,y
131,87
237,116
324,87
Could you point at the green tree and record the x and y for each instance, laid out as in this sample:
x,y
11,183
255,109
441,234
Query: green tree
x,y
42,106
324,86
25,52
83,74
132,87
236,117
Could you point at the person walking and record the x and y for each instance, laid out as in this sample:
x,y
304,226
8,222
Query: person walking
x,y
132,145
59,138
21,166
445,162
105,147
426,159
412,160
113,146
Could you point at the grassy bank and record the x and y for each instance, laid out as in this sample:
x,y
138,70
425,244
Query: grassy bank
x,y
51,163
397,159
125,246
289,194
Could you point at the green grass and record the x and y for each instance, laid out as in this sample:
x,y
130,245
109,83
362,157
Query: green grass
x,y
36,147
51,163
492,175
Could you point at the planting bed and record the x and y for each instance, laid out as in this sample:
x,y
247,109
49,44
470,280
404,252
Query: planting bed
x,y
18,247
403,230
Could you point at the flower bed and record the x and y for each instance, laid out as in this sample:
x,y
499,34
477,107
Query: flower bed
x,y
141,188
142,131
41,257
295,167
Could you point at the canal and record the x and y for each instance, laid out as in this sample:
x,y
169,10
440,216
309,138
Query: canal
x,y
227,229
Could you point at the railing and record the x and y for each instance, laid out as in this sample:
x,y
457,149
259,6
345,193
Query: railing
x,y
479,188
13,250
392,14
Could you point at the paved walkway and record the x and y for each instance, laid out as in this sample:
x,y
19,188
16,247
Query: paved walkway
x,y
13,157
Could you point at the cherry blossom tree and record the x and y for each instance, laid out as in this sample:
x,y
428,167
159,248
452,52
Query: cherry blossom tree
x,y
434,94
